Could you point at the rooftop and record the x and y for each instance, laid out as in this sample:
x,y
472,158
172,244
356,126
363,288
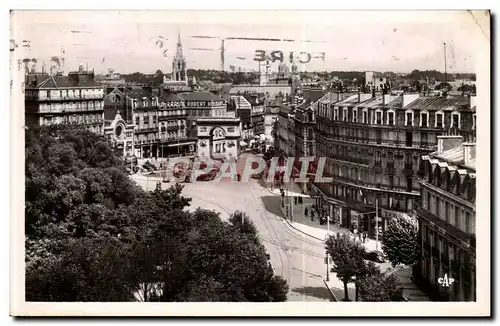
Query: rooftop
x,y
60,81
436,103
199,96
169,97
138,93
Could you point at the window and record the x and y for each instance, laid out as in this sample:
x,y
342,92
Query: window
x,y
310,133
354,115
455,120
390,118
424,119
365,116
409,118
457,217
439,120
137,121
467,222
335,114
409,139
428,201
391,182
379,136
438,206
378,118
344,115
409,184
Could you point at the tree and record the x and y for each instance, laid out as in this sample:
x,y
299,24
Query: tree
x,y
400,240
348,259
375,286
92,234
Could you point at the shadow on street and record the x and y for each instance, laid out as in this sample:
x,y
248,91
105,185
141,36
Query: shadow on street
x,y
318,292
272,204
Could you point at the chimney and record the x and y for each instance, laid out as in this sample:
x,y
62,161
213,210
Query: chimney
x,y
448,142
408,98
469,152
472,101
387,98
364,96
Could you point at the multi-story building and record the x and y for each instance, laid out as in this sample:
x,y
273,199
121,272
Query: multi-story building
x,y
173,131
217,133
305,122
257,103
446,213
76,99
243,110
374,145
284,139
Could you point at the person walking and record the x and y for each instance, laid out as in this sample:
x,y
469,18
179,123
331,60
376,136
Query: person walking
x,y
365,235
355,233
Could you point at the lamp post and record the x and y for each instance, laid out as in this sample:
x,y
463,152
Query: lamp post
x,y
327,263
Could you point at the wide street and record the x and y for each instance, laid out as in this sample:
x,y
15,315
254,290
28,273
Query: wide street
x,y
297,257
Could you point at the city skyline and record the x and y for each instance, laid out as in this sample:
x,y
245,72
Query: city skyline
x,y
117,40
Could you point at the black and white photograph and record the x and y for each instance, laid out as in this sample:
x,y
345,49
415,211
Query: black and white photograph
x,y
308,159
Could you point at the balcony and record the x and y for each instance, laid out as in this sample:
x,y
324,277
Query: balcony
x,y
145,130
173,128
408,168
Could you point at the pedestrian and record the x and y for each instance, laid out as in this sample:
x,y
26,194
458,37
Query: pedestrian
x,y
364,237
355,233
305,213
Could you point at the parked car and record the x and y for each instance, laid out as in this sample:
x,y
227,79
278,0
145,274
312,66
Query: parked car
x,y
375,256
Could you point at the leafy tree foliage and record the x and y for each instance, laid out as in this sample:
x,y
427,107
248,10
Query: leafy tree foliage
x,y
348,259
400,240
374,286
94,235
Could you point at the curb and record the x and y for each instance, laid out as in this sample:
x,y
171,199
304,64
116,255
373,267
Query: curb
x,y
291,225
330,290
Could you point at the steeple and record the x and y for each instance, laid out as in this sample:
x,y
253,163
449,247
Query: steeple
x,y
179,68
179,46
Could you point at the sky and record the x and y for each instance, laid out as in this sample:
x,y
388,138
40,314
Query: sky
x,y
126,40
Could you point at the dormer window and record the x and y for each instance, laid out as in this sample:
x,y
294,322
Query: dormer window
x,y
378,117
424,119
439,120
390,118
455,120
365,116
344,115
409,118
354,115
335,113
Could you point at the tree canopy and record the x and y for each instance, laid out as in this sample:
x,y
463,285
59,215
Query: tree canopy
x,y
92,234
400,240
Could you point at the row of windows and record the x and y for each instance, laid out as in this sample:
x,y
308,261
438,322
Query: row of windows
x,y
69,94
380,117
448,211
78,106
449,181
171,113
345,192
367,176
79,119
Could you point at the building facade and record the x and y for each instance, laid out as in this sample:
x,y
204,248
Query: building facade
x,y
140,106
243,110
73,99
216,132
373,146
172,118
120,133
446,213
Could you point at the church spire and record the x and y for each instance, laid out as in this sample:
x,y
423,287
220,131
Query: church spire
x,y
179,54
179,69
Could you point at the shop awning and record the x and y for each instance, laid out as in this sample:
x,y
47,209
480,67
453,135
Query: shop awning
x,y
180,144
